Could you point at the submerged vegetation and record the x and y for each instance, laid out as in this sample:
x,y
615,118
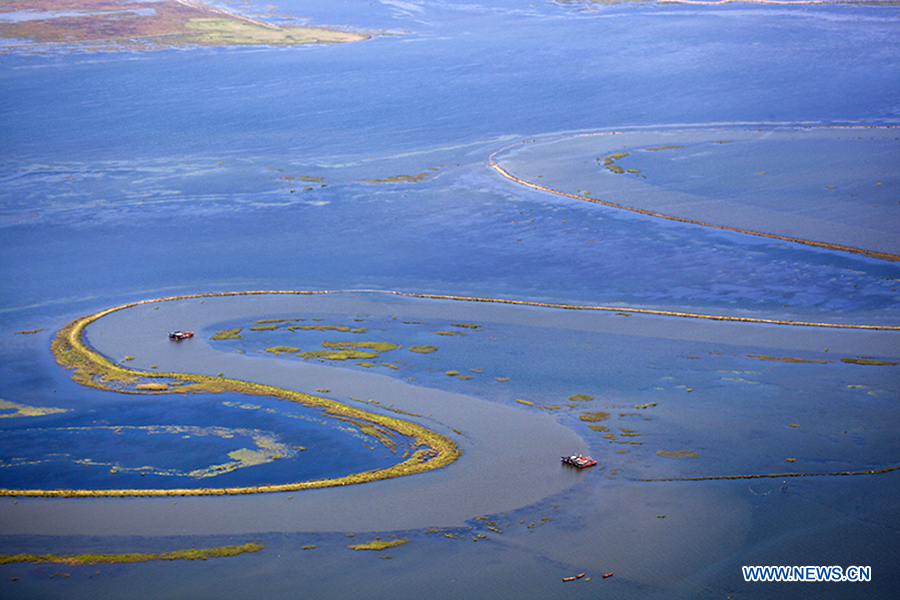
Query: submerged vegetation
x,y
678,453
399,178
23,410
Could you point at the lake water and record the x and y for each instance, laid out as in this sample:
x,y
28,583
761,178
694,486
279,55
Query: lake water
x,y
133,175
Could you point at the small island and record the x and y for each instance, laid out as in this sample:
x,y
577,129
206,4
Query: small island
x,y
119,24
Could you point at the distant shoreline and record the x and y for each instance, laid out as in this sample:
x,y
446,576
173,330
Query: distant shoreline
x,y
152,25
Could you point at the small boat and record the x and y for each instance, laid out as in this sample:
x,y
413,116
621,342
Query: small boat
x,y
180,335
579,576
577,460
568,579
607,575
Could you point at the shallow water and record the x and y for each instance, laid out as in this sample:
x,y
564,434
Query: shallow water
x,y
134,175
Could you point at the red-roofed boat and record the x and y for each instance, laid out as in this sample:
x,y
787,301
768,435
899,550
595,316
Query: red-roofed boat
x,y
180,335
577,460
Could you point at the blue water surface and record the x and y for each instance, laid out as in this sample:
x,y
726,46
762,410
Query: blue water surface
x,y
132,175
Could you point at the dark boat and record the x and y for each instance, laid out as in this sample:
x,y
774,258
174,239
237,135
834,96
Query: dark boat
x,y
180,335
577,460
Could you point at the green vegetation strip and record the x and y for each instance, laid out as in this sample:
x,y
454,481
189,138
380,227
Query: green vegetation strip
x,y
432,450
131,557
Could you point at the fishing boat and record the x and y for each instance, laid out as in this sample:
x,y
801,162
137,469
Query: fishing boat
x,y
577,460
180,335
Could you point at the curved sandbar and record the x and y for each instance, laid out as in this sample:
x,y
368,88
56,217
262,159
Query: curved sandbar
x,y
506,448
828,226
433,451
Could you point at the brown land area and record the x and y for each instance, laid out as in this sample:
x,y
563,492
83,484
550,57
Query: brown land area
x,y
118,23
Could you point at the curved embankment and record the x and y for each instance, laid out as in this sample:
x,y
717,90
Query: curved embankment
x,y
432,450
670,217
773,475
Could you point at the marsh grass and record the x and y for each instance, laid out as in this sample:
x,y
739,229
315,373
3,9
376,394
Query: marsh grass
x,y
868,361
593,417
132,557
378,545
228,334
788,359
580,398
282,349
338,354
423,349
318,327
375,346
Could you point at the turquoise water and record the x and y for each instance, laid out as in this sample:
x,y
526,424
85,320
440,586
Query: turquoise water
x,y
134,175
